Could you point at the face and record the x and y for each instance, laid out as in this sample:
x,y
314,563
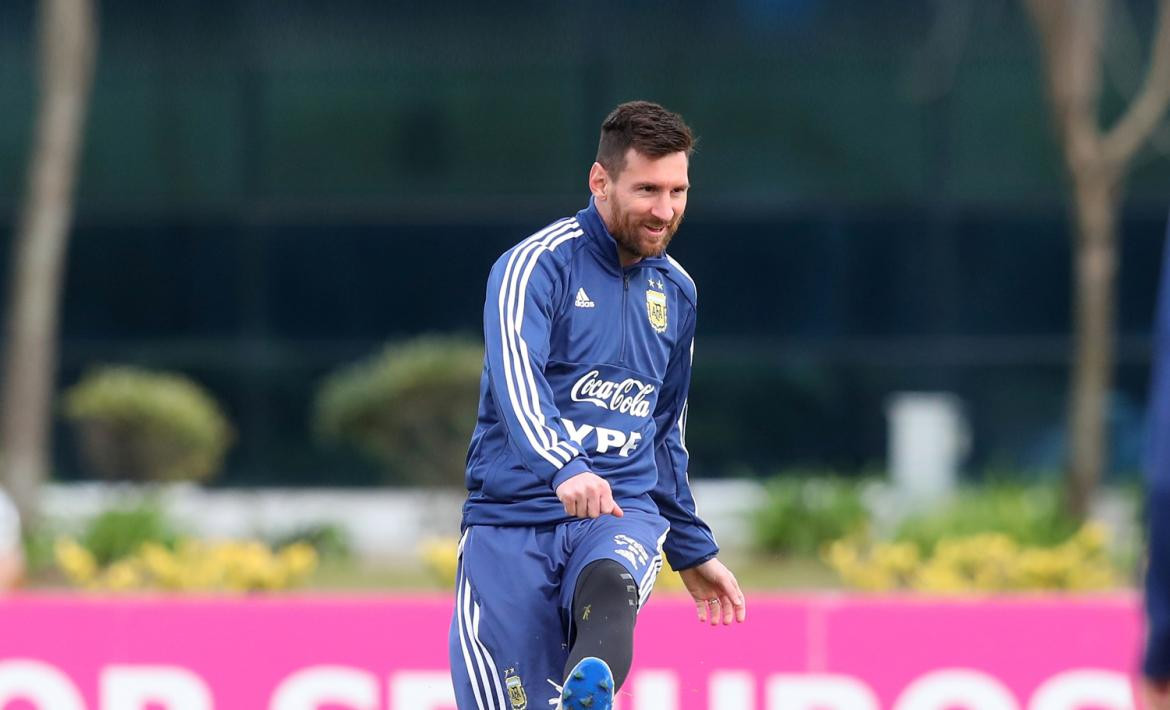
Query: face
x,y
644,206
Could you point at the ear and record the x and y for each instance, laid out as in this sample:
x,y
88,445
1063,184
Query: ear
x,y
598,181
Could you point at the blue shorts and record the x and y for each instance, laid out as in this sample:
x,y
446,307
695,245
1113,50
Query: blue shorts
x,y
512,624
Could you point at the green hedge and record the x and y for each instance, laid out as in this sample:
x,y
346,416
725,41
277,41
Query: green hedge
x,y
412,407
119,533
800,514
145,426
1027,514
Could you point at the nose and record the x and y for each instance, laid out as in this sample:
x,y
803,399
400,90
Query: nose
x,y
663,209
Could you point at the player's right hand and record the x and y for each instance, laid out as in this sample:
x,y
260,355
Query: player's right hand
x,y
588,495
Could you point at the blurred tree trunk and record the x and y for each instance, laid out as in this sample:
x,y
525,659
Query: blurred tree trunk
x,y
67,40
1072,35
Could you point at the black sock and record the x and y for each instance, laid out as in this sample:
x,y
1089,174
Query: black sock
x,y
605,606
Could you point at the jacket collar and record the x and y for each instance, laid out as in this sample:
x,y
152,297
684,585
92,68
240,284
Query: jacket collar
x,y
605,246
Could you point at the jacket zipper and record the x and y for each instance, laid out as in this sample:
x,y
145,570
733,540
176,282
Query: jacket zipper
x,y
625,294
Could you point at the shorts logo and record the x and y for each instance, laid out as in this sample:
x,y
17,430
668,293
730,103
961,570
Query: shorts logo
x,y
656,310
631,549
516,694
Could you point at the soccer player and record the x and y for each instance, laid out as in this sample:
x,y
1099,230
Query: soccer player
x,y
577,469
1156,668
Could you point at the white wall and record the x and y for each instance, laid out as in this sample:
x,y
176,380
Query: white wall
x,y
379,522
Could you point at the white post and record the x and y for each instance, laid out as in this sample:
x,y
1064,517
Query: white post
x,y
928,438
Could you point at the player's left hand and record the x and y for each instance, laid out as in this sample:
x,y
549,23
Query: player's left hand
x,y
1155,694
716,593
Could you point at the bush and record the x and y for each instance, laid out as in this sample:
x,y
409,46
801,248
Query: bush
x,y
192,565
803,513
986,562
440,556
144,426
412,407
992,538
38,549
1027,515
115,534
331,542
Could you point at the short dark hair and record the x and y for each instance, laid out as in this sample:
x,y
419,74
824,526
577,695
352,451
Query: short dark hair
x,y
647,128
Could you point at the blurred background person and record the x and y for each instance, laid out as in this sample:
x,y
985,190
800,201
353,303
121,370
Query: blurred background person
x,y
1157,660
11,548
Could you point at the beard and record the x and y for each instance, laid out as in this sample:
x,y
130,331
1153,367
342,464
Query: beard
x,y
630,236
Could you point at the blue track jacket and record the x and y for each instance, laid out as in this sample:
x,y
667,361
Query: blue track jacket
x,y
1157,662
586,368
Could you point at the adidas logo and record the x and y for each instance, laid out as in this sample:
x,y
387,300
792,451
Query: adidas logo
x,y
583,300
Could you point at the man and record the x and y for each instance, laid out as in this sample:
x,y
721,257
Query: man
x,y
577,470
11,547
1157,662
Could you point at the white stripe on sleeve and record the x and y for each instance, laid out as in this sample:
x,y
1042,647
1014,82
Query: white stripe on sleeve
x,y
522,390
549,244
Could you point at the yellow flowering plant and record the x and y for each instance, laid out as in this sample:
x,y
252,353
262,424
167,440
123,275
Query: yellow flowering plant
x,y
440,555
984,562
192,566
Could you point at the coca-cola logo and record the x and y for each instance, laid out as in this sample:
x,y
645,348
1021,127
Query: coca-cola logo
x,y
629,396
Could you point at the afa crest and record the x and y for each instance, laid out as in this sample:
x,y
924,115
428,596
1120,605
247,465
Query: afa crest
x,y
516,694
656,310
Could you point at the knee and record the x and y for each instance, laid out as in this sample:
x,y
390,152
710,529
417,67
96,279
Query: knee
x,y
605,592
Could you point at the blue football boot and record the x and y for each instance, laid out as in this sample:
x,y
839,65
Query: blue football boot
x,y
588,687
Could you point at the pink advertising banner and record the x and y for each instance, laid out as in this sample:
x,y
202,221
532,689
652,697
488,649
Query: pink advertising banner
x,y
390,653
